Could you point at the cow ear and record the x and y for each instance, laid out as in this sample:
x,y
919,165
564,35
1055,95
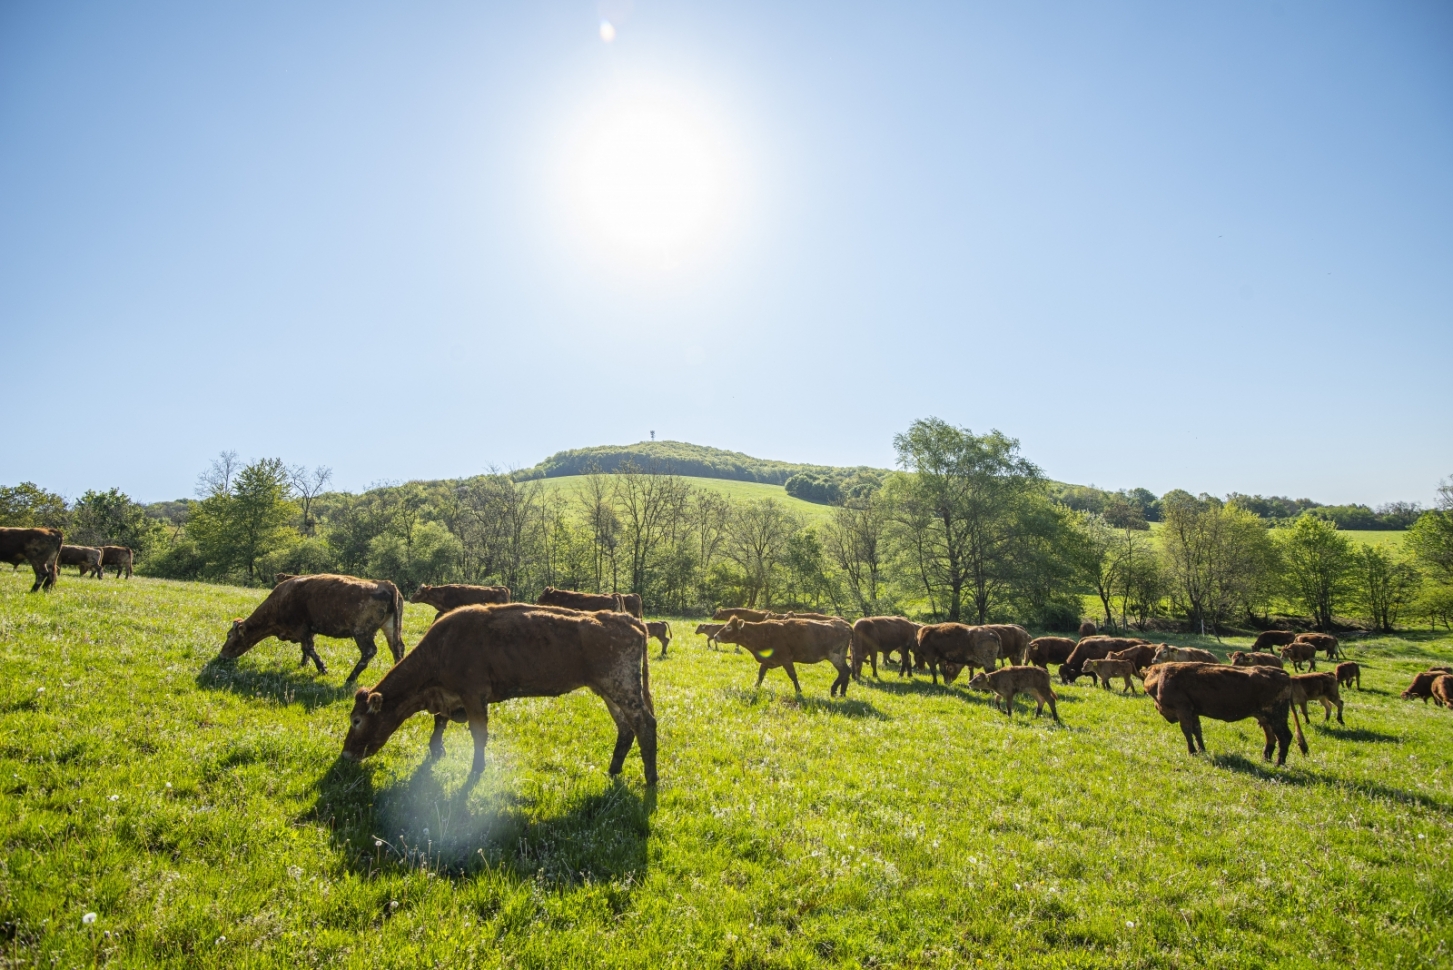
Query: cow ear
x,y
361,694
375,702
237,623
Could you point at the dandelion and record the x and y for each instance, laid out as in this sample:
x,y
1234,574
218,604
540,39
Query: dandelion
x,y
114,798
378,843
88,919
40,690
221,940
168,784
295,872
393,904
1130,923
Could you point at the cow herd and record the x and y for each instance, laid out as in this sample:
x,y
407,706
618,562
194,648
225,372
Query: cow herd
x,y
481,648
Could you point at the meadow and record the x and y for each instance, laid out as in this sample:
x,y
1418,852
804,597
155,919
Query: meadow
x,y
811,512
200,811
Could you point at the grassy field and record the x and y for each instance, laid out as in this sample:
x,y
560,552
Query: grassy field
x,y
738,491
202,814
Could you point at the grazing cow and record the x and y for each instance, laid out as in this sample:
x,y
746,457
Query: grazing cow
x,y
591,602
1092,648
1273,638
955,646
1186,692
1167,654
785,643
1422,685
1107,669
1088,628
1013,641
873,635
39,547
711,631
1240,658
1013,681
451,596
87,557
1141,655
1300,653
1347,673
303,607
1324,642
479,655
118,556
751,616
1317,687
661,630
1043,651
1442,690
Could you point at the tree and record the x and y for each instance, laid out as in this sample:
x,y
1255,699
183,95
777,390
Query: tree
x,y
1217,557
110,518
1318,565
1103,559
235,528
27,505
1431,541
308,485
856,540
756,541
962,511
1385,584
647,503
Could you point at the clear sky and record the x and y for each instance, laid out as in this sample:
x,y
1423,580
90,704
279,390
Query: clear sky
x,y
1205,246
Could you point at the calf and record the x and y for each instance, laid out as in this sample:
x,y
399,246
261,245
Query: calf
x,y
1186,692
1347,673
1010,682
591,602
1317,687
1167,654
1268,639
874,635
1240,658
955,646
39,547
87,557
1105,670
479,655
451,596
1140,656
1300,653
1324,642
1043,651
784,643
1092,648
1442,690
1422,685
118,556
711,630
300,608
661,630
1088,628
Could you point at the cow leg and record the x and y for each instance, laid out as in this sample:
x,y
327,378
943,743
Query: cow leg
x,y
42,574
1270,734
436,740
1191,728
479,729
792,673
310,650
625,736
1054,711
366,650
761,673
841,684
1009,706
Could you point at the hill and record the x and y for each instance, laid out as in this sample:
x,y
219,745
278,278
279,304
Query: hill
x,y
735,490
684,458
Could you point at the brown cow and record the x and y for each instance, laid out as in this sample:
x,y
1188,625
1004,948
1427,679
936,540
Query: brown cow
x,y
1167,654
1092,648
1241,658
1273,638
1107,669
1012,681
1347,673
784,643
1013,641
118,556
1324,642
1317,687
451,596
1088,628
1140,656
661,630
479,655
1422,685
711,631
303,607
86,557
1443,690
955,646
1300,653
751,616
590,602
39,547
1186,692
1043,651
873,635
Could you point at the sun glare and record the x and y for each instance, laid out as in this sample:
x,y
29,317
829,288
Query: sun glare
x,y
649,178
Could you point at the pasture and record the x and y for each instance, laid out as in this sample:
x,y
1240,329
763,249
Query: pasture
x,y
201,812
811,512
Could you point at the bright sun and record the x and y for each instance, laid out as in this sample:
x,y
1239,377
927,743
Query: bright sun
x,y
649,178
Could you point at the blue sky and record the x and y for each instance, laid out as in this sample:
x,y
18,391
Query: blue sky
x,y
1206,246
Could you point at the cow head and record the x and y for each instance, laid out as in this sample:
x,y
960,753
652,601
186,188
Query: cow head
x,y
951,672
980,681
236,643
422,594
366,730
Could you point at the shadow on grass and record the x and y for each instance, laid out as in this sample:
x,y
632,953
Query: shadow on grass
x,y
459,829
1356,734
297,686
843,707
1300,777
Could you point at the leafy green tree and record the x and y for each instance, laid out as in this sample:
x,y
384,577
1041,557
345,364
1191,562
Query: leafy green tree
x,y
756,541
1102,559
237,527
1217,557
856,541
111,518
1318,567
1385,585
1431,541
27,505
428,553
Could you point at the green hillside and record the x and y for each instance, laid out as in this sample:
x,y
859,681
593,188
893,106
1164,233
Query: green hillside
x,y
737,491
682,458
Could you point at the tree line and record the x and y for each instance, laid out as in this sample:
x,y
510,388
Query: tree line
x,y
966,529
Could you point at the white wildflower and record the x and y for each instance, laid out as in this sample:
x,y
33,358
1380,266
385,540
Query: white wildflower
x,y
88,919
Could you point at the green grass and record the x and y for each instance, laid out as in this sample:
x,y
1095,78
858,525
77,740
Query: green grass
x,y
202,813
1371,537
737,491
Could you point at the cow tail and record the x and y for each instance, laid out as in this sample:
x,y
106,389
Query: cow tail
x,y
398,607
646,674
1297,720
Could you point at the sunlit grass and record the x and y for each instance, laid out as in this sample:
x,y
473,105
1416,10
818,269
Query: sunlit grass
x,y
201,812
